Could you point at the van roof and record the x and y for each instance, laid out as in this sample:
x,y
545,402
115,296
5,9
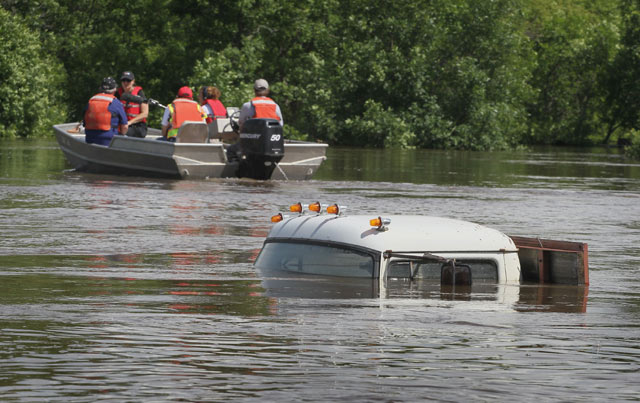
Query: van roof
x,y
404,233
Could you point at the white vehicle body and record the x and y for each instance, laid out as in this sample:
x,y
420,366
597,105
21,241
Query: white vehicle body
x,y
415,247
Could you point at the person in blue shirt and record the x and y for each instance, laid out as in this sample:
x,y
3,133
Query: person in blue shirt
x,y
104,115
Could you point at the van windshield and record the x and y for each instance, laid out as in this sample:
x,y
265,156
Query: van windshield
x,y
315,259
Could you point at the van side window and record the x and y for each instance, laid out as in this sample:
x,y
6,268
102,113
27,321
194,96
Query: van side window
x,y
482,271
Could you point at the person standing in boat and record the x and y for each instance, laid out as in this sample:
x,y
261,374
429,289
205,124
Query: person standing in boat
x,y
182,108
209,99
104,115
261,106
136,106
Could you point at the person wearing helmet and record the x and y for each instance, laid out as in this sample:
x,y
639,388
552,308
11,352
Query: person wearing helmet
x,y
104,116
182,108
136,106
261,106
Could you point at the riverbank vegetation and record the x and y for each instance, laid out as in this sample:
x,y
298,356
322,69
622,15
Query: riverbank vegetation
x,y
459,74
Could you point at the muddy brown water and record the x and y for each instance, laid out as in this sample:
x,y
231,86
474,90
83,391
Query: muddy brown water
x,y
134,289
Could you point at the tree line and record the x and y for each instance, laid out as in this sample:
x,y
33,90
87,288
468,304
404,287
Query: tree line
x,y
462,74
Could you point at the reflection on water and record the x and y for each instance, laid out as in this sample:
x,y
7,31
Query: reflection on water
x,y
601,168
135,289
69,293
522,298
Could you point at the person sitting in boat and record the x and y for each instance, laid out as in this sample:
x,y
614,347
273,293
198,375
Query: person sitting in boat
x,y
136,106
261,106
209,98
104,115
182,108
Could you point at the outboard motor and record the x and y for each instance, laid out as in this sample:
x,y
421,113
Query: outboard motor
x,y
260,148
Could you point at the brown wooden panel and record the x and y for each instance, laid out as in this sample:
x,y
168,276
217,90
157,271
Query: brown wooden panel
x,y
542,262
538,243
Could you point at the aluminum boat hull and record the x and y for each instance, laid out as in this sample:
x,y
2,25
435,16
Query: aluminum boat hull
x,y
152,158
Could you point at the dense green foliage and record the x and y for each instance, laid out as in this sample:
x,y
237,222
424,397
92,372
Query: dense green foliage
x,y
31,81
624,74
633,149
436,74
575,41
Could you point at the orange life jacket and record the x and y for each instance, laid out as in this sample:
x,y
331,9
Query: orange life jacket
x,y
98,116
183,109
219,111
132,109
265,108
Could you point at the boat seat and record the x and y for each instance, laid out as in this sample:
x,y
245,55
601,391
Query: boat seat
x,y
220,129
231,110
193,132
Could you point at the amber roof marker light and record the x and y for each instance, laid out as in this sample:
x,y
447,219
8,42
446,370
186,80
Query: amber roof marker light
x,y
296,208
315,207
336,209
277,218
380,223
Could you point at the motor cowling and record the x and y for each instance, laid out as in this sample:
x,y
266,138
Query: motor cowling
x,y
261,147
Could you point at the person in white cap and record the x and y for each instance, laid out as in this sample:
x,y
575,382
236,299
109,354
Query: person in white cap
x,y
260,107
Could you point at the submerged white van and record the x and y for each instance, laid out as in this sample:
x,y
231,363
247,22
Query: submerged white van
x,y
448,251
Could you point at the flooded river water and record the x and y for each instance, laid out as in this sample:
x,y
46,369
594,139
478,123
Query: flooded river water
x,y
133,289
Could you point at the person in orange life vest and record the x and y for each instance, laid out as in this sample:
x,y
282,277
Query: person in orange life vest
x,y
137,112
182,108
261,106
209,98
104,115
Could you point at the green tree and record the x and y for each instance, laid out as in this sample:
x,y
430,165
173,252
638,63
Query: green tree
x,y
30,81
624,76
160,40
479,74
454,73
575,42
220,68
429,73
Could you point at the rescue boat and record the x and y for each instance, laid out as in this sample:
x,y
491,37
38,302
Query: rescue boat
x,y
199,152
321,240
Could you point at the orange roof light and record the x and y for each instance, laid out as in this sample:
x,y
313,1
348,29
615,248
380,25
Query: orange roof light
x,y
277,218
296,208
333,209
316,207
380,223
